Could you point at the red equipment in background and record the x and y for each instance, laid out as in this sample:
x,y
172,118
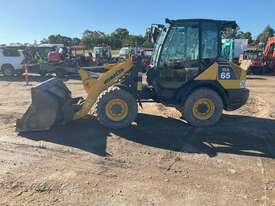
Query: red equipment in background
x,y
269,54
54,56
269,47
261,60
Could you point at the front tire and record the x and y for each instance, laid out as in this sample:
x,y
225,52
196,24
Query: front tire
x,y
203,107
8,70
116,108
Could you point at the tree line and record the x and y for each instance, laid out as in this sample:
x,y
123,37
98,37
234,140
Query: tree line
x,y
117,39
121,37
262,37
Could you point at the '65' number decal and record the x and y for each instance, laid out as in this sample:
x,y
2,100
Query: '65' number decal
x,y
226,73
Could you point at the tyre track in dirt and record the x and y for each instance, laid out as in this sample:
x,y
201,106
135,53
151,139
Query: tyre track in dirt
x,y
257,106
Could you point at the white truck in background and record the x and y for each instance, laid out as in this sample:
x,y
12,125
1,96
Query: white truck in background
x,y
11,61
44,49
240,45
233,48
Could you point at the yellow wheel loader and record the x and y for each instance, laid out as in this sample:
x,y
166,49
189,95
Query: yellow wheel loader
x,y
186,72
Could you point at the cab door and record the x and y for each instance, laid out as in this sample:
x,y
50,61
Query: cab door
x,y
187,51
179,57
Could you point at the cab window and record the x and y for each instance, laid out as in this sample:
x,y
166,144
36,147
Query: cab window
x,y
210,39
179,58
182,44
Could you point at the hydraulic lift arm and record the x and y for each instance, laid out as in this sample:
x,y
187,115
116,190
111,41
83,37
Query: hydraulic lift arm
x,y
94,87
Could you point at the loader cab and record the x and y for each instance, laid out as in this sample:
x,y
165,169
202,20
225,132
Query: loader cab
x,y
185,48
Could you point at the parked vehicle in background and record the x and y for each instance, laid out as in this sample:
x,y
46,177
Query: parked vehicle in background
x,y
261,60
124,52
137,51
146,56
60,69
233,48
148,52
45,49
11,61
102,55
79,50
254,59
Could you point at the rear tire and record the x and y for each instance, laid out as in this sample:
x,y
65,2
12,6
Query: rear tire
x,y
8,70
116,108
203,107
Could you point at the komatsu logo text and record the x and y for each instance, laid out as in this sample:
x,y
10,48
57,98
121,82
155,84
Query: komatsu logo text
x,y
117,73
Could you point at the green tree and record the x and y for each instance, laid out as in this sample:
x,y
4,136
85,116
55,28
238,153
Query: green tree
x,y
76,41
44,41
244,35
229,33
118,37
93,38
267,32
116,43
121,34
133,40
59,39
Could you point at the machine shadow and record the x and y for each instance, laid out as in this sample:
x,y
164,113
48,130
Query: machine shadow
x,y
85,134
240,135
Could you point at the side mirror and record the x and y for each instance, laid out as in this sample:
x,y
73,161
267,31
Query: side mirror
x,y
153,32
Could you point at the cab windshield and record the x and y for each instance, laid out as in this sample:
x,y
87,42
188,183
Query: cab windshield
x,y
182,44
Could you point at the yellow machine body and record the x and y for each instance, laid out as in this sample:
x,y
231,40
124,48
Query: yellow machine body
x,y
52,102
212,73
94,87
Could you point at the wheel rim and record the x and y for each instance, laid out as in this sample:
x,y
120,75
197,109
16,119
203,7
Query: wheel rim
x,y
116,109
8,71
203,109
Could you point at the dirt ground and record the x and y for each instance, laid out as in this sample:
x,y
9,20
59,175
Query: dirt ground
x,y
160,160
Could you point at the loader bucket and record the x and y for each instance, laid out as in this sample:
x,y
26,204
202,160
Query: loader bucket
x,y
51,104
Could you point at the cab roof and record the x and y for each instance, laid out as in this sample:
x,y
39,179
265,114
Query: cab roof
x,y
220,23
